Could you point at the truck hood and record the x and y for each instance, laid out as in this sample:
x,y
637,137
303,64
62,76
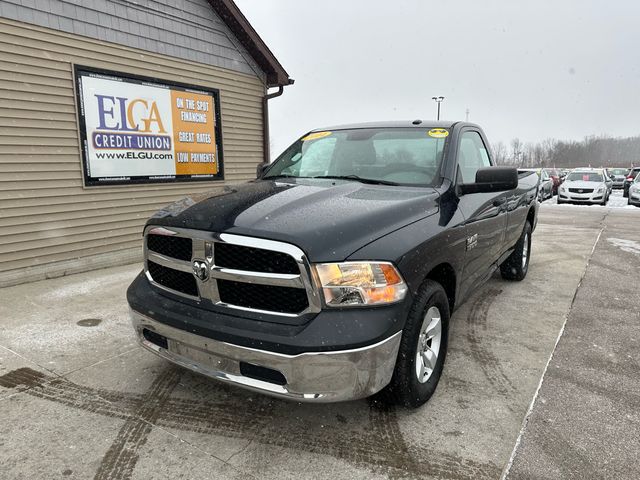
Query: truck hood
x,y
328,219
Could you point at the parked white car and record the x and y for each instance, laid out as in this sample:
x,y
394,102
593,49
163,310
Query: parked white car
x,y
634,192
585,186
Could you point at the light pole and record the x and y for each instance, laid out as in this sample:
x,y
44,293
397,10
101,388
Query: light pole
x,y
438,100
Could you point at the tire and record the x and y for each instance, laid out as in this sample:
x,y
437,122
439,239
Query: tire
x,y
516,266
405,388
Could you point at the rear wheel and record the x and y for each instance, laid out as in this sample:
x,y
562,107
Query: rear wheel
x,y
423,349
516,266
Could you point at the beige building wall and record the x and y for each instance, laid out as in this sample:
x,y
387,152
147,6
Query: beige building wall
x,y
50,224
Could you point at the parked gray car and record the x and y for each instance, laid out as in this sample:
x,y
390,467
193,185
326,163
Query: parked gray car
x,y
618,175
584,186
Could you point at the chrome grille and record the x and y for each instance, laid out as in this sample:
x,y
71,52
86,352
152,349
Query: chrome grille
x,y
581,190
239,272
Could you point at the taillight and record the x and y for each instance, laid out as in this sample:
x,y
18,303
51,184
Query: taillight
x,y
630,178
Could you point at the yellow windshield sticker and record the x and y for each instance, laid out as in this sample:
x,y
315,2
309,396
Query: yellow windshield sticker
x,y
315,136
438,133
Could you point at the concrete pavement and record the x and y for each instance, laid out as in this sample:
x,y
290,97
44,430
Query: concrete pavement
x,y
586,421
79,399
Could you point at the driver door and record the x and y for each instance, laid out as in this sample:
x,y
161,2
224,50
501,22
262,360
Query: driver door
x,y
485,213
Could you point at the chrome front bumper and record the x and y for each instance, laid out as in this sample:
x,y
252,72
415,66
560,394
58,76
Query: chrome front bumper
x,y
310,377
581,197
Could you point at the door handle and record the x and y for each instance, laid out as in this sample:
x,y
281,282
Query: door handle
x,y
499,201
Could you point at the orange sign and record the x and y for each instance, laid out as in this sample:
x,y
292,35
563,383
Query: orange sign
x,y
194,136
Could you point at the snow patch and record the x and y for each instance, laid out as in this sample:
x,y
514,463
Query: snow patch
x,y
87,286
630,246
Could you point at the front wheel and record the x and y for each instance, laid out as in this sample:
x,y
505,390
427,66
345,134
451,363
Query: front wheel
x,y
423,348
515,267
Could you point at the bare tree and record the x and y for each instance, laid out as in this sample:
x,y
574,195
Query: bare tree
x,y
516,152
595,151
500,153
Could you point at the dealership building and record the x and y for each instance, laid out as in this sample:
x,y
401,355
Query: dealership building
x,y
111,109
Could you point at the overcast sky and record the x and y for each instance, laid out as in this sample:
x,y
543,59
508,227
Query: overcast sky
x,y
533,70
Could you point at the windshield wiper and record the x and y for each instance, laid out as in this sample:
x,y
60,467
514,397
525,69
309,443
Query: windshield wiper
x,y
282,175
370,181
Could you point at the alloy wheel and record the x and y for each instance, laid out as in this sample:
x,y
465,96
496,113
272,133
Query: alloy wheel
x,y
429,341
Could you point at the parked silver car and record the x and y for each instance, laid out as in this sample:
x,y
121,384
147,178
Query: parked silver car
x,y
618,176
584,186
634,192
608,178
545,189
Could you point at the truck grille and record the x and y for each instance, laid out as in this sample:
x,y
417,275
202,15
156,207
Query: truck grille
x,y
263,297
230,271
173,279
174,247
254,259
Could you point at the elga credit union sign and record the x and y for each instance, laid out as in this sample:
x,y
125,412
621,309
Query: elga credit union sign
x,y
138,130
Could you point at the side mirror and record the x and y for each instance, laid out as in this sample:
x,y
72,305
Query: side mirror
x,y
261,168
492,179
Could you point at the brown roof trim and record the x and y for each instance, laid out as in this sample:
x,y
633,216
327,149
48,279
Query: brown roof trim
x,y
244,32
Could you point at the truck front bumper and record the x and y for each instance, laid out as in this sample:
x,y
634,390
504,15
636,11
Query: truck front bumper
x,y
330,376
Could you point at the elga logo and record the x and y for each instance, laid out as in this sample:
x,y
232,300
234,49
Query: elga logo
x,y
139,118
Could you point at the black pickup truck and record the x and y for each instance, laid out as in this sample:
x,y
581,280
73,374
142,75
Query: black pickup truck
x,y
333,275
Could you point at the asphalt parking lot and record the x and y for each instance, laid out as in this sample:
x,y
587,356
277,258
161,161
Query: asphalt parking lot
x,y
79,399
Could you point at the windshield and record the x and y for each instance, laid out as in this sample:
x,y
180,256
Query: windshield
x,y
584,177
637,180
618,171
409,156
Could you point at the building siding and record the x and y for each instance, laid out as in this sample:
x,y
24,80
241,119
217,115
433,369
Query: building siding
x,y
187,29
49,223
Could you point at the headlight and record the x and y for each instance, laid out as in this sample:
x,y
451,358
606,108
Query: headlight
x,y
360,283
600,189
561,188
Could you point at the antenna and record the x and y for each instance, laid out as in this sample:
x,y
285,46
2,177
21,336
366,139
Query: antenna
x,y
467,112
